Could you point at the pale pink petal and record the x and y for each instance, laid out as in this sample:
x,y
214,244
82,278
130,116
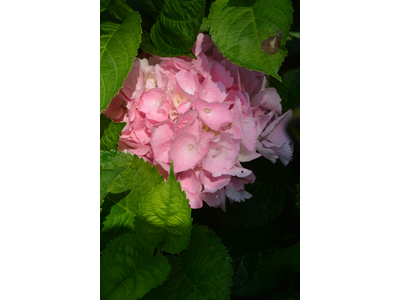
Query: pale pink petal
x,y
237,195
187,81
267,153
189,181
212,92
195,200
268,99
216,199
150,103
185,153
184,119
237,171
214,114
247,155
222,154
250,133
161,136
278,135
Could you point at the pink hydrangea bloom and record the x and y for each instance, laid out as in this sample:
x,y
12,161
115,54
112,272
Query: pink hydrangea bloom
x,y
207,116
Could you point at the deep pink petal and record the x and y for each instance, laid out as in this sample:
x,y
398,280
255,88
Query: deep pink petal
x,y
219,73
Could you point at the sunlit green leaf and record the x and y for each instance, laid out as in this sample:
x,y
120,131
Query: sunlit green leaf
x,y
164,217
239,27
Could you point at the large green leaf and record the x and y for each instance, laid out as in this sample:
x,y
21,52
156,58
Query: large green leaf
x,y
288,89
239,28
148,46
178,24
125,180
164,216
248,247
104,4
128,269
109,133
118,48
202,271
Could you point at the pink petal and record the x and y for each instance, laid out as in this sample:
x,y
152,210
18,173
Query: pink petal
x,y
161,136
203,43
185,152
268,99
267,153
216,199
278,135
214,114
237,195
184,119
117,108
219,73
150,103
187,81
212,92
212,184
250,133
237,171
189,181
222,154
252,81
195,200
247,155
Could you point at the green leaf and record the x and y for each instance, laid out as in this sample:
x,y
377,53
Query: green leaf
x,y
202,271
148,46
280,266
125,180
118,48
164,216
177,26
248,248
205,25
239,27
104,4
109,133
288,89
128,269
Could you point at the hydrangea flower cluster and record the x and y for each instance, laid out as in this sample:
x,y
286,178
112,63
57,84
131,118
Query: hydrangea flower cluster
x,y
207,116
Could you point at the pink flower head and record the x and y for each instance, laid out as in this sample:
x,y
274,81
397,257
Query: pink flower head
x,y
207,116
